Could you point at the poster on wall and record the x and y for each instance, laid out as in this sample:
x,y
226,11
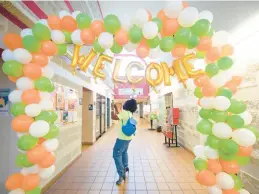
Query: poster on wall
x,y
4,101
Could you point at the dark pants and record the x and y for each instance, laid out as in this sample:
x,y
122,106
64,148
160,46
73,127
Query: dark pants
x,y
120,155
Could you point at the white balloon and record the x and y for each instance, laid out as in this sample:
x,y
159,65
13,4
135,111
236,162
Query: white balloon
x,y
46,104
224,181
76,37
30,170
220,38
63,13
24,83
7,55
173,9
130,47
247,117
207,102
33,110
48,72
243,191
141,17
22,55
26,32
211,153
221,103
150,30
199,151
222,130
39,128
51,145
125,22
221,79
155,53
75,14
207,15
214,190
58,36
45,96
244,137
106,40
15,96
188,17
46,173
17,191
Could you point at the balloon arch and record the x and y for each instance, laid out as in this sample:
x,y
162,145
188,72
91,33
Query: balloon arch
x,y
178,29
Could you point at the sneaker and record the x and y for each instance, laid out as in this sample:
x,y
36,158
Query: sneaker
x,y
127,169
121,179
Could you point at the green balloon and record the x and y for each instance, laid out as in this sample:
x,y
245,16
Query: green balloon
x,y
41,31
97,47
213,141
135,34
112,24
67,36
27,142
224,156
219,116
237,107
211,69
22,161
254,130
37,190
235,121
200,164
200,55
228,146
53,132
201,27
18,109
167,44
44,84
54,115
225,63
31,43
116,48
13,68
242,160
204,127
153,43
182,36
210,33
62,49
224,92
237,181
205,113
45,116
193,41
198,93
83,20
158,23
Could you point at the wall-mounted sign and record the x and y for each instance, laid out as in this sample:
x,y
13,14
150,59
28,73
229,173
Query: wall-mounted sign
x,y
130,92
90,107
4,102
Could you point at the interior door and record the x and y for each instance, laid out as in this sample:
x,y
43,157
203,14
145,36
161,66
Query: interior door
x,y
108,112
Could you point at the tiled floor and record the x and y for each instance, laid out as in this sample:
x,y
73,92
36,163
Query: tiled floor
x,y
154,168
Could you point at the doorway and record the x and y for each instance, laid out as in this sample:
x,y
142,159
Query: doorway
x,y
108,112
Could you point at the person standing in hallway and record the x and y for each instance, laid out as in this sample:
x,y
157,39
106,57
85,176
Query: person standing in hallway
x,y
120,150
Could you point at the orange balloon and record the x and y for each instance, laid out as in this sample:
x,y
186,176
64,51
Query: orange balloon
x,y
178,51
230,167
231,191
149,15
245,151
32,71
237,80
40,59
12,41
161,15
97,27
142,51
31,96
54,22
199,102
22,123
121,37
41,140
214,166
36,154
202,81
14,181
13,79
68,23
206,178
213,54
227,50
49,48
87,36
209,90
185,4
204,44
170,26
47,161
30,182
232,86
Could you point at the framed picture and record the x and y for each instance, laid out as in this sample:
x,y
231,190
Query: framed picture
x,y
60,101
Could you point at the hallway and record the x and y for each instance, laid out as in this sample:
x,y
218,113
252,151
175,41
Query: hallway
x,y
154,168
